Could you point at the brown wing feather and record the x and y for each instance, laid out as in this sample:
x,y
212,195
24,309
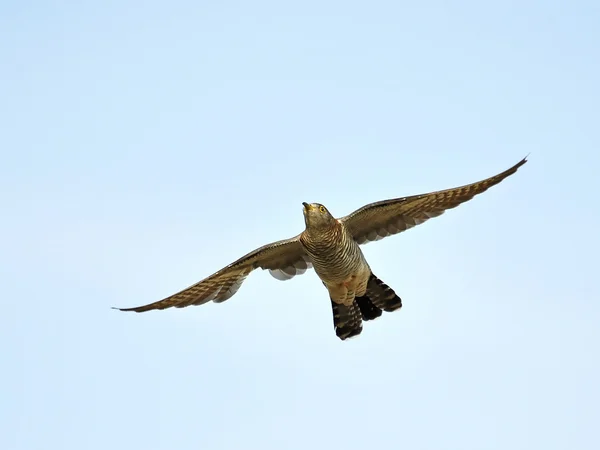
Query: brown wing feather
x,y
378,220
287,256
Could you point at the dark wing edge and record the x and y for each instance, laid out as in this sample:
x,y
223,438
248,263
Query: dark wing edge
x,y
283,259
385,218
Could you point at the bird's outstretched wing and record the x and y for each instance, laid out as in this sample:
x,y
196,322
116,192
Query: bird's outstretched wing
x,y
284,259
378,220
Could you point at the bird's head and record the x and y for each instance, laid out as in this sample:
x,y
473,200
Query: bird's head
x,y
317,216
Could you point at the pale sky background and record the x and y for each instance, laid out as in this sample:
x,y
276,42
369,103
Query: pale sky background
x,y
145,145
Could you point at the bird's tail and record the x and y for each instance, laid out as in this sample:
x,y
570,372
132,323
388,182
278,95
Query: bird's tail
x,y
347,320
379,296
382,295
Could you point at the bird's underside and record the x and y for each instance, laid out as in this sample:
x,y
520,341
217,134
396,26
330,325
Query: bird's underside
x,y
329,243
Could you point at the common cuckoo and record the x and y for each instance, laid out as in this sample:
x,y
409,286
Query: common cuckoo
x,y
331,247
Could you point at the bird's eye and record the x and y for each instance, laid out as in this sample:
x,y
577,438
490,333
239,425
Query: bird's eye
x,y
322,208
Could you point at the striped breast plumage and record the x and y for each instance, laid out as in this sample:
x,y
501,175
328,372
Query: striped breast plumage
x,y
338,261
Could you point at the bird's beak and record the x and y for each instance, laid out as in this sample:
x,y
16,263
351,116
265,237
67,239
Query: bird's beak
x,y
306,206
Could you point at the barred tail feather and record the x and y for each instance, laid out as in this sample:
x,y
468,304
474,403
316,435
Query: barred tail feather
x,y
347,320
381,295
368,310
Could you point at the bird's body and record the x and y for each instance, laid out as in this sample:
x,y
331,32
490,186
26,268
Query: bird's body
x,y
331,246
356,294
338,261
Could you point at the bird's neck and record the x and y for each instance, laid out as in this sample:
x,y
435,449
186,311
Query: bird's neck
x,y
329,233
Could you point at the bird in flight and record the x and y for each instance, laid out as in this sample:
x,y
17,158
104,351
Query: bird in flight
x,y
332,247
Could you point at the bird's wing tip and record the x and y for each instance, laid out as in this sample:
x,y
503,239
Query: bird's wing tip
x,y
122,309
520,163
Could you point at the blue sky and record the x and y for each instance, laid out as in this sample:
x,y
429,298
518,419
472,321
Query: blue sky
x,y
144,145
